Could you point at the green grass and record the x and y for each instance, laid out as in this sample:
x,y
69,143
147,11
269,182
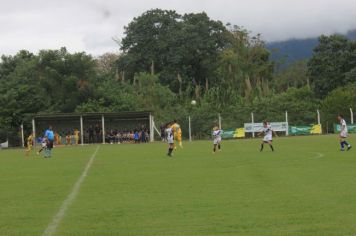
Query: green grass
x,y
306,187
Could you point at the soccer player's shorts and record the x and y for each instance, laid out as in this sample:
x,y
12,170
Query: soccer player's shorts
x,y
170,140
343,134
267,138
217,140
50,144
44,145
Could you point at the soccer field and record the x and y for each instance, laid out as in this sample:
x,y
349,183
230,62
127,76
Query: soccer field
x,y
306,187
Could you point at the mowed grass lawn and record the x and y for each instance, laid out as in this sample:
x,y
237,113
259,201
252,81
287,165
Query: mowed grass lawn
x,y
306,187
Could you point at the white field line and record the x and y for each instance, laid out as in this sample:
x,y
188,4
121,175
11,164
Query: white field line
x,y
57,218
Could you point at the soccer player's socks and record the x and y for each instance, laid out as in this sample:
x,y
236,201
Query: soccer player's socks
x,y
342,144
346,143
170,150
261,147
214,149
219,146
271,147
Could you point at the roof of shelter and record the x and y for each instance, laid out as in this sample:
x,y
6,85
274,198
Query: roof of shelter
x,y
93,115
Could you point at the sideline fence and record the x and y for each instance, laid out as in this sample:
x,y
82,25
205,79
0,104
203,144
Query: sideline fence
x,y
195,126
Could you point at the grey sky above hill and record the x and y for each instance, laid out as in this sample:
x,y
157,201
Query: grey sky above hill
x,y
89,25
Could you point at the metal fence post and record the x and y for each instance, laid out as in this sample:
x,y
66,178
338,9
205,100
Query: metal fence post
x,y
253,121
287,130
352,116
22,136
152,124
219,117
190,129
34,131
103,127
317,111
81,131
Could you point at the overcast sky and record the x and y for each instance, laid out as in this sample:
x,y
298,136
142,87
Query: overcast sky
x,y
89,25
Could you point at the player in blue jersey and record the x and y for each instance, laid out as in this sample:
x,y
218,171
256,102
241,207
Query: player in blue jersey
x,y
50,140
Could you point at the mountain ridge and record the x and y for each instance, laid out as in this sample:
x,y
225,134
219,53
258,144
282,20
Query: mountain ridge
x,y
289,51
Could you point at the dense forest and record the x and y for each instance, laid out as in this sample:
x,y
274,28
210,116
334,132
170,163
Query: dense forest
x,y
168,59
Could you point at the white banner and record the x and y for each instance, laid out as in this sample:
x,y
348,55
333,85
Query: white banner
x,y
258,127
4,145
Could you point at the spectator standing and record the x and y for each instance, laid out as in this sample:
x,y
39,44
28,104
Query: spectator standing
x,y
136,137
97,133
91,134
163,135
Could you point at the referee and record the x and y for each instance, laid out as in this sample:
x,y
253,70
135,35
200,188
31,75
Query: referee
x,y
50,136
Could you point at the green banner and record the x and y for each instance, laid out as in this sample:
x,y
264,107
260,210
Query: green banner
x,y
305,129
350,127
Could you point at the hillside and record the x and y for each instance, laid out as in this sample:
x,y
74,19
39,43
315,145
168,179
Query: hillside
x,y
293,50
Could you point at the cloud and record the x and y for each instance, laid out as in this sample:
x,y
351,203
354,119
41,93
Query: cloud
x,y
90,25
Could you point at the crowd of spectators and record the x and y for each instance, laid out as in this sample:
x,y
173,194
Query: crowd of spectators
x,y
94,134
133,136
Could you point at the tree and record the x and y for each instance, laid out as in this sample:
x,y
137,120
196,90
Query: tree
x,y
245,65
295,75
173,46
52,81
332,60
301,105
151,40
20,91
339,101
66,78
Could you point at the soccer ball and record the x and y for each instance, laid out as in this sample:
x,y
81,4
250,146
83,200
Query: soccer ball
x,y
193,102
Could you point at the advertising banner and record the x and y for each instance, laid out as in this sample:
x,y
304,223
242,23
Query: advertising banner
x,y
305,129
237,133
258,127
350,127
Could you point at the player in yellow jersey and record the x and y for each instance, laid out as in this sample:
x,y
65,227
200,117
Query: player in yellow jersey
x,y
29,144
76,136
177,133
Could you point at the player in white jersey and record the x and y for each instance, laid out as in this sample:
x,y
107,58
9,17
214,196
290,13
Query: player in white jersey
x,y
43,145
170,138
268,133
343,133
217,138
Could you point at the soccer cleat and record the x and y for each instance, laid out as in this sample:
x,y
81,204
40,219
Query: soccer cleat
x,y
342,149
349,147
